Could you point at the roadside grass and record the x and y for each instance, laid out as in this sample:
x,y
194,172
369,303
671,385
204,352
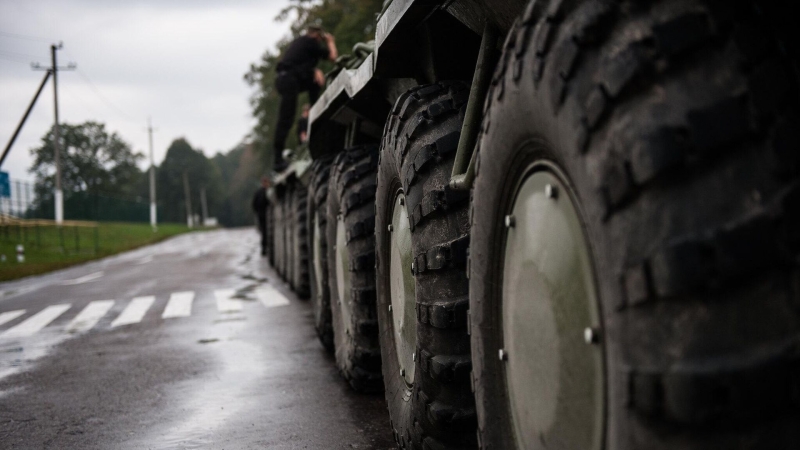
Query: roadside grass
x,y
49,248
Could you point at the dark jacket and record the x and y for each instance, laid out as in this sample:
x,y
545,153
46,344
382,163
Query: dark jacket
x,y
260,203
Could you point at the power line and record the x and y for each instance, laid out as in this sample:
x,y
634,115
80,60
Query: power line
x,y
96,90
24,36
12,59
20,55
103,97
67,90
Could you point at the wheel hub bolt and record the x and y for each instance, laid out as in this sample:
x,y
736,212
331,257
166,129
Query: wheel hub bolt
x,y
414,356
510,221
591,336
402,372
551,191
390,228
503,355
390,308
402,201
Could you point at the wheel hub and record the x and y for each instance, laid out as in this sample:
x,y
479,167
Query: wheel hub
x,y
554,375
343,274
316,256
402,287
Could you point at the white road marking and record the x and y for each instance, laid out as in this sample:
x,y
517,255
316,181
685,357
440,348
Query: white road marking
x,y
134,312
89,316
270,297
145,260
19,291
36,322
224,301
83,279
179,305
10,315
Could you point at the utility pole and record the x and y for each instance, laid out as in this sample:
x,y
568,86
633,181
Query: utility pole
x,y
152,179
24,118
59,194
186,191
204,205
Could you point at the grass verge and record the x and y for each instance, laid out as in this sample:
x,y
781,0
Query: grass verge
x,y
49,248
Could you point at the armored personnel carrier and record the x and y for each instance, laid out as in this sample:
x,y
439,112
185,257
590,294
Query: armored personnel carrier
x,y
560,224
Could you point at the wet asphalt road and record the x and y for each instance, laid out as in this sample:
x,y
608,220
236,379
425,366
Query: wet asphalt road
x,y
235,365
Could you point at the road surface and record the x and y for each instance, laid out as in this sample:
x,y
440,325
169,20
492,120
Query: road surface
x,y
190,343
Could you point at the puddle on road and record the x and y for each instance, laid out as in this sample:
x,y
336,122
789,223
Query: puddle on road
x,y
212,403
250,277
246,293
17,355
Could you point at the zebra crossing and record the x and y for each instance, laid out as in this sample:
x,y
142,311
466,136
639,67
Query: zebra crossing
x,y
89,316
180,304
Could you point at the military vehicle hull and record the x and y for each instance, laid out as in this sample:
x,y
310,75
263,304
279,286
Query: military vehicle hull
x,y
561,224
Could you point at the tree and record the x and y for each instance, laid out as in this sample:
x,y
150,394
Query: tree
x,y
92,162
240,176
202,174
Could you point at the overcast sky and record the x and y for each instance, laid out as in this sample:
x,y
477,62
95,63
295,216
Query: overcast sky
x,y
179,62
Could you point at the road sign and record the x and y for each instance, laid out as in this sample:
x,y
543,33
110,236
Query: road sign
x,y
5,185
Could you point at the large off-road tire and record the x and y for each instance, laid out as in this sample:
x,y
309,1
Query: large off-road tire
x,y
279,238
299,232
289,212
317,241
351,259
422,235
270,240
635,232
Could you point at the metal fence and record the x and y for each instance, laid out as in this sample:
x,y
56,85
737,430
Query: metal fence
x,y
72,237
23,203
20,201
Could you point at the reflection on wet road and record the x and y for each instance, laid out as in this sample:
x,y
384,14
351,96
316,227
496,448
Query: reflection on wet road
x,y
185,344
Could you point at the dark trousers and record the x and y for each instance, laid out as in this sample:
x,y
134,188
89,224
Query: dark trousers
x,y
262,228
289,87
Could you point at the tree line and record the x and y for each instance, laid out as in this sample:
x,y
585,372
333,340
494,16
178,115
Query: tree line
x,y
102,180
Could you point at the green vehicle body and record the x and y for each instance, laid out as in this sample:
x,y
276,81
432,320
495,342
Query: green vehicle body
x,y
421,42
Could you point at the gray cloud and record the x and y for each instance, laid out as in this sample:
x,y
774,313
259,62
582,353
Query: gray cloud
x,y
180,62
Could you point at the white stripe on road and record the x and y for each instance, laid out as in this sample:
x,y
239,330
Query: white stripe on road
x,y
10,315
83,279
270,297
134,312
89,316
36,322
225,302
145,260
180,305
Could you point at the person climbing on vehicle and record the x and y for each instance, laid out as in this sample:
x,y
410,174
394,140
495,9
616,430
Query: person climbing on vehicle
x,y
302,125
297,72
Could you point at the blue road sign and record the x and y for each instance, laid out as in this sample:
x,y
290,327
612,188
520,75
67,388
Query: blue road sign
x,y
5,185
